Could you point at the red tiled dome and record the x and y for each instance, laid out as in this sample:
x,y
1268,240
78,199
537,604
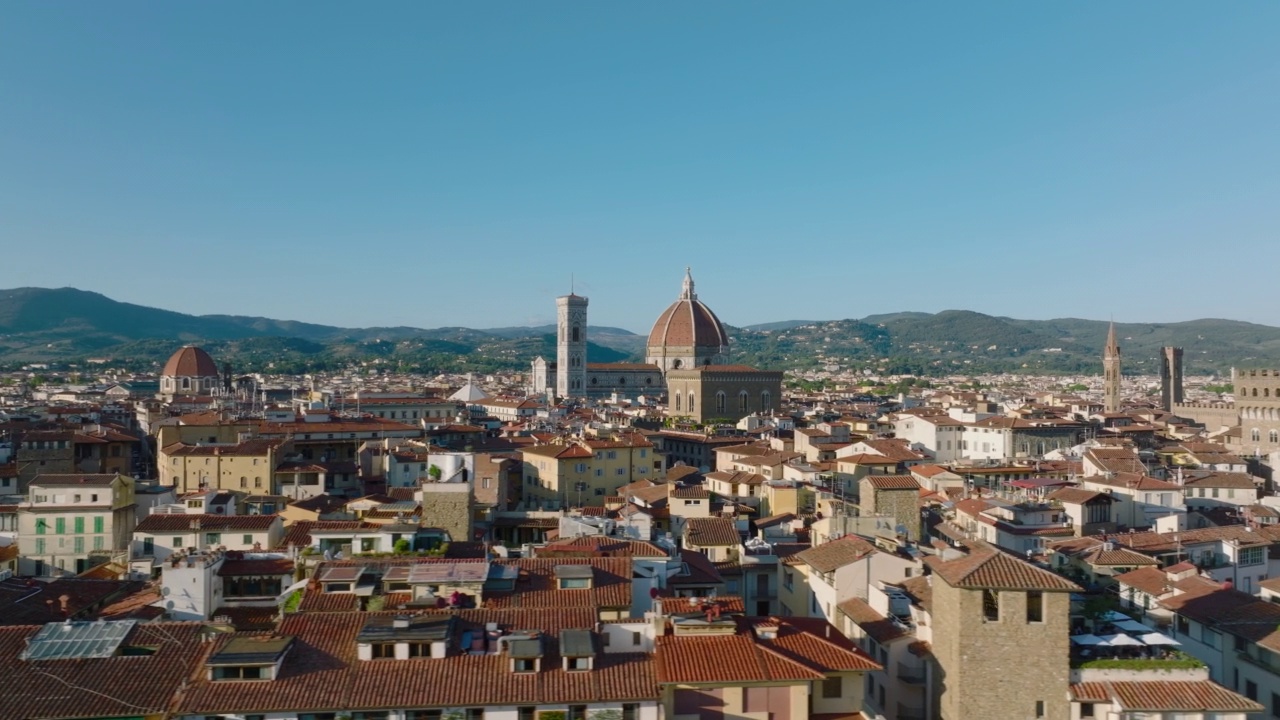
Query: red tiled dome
x,y
688,322
190,361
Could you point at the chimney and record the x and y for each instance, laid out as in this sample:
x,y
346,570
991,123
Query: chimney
x,y
63,602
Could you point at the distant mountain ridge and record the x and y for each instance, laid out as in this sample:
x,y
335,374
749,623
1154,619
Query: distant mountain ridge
x,y
66,324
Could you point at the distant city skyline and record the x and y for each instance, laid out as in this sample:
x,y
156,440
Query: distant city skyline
x,y
429,165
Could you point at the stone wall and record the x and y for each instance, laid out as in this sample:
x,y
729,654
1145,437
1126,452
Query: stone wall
x,y
1000,669
448,506
902,505
762,388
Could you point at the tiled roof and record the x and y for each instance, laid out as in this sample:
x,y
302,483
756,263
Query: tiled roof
x,y
256,566
603,546
1165,696
880,628
723,659
249,618
60,480
737,477
1077,496
815,643
892,482
168,523
920,590
1150,580
24,602
537,587
321,672
100,687
1152,542
988,568
299,533
1230,611
711,532
701,571
1229,480
314,600
837,553
1118,556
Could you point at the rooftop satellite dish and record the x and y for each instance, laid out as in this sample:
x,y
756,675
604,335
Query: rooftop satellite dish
x,y
164,591
168,605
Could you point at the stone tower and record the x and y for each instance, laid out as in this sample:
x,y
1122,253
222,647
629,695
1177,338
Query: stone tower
x,y
1170,377
1111,373
571,346
1001,638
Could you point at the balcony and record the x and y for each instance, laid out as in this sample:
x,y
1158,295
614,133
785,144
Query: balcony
x,y
910,712
912,674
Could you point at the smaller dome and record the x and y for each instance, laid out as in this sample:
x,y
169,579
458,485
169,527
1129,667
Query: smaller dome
x,y
190,361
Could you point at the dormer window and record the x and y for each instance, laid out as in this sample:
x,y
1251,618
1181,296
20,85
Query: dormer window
x,y
574,577
525,653
403,637
249,658
577,648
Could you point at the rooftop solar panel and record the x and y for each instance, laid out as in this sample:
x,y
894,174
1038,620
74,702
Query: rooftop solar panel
x,y
77,640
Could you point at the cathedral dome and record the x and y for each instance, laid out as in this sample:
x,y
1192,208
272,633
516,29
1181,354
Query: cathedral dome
x,y
190,361
687,328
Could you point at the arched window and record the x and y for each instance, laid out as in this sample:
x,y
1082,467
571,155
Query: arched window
x,y
690,403
720,402
1274,437
742,401
186,383
1255,435
1255,392
765,400
677,397
244,482
575,333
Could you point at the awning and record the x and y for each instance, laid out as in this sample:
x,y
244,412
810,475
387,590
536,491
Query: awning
x,y
1119,640
1086,639
1131,626
1155,638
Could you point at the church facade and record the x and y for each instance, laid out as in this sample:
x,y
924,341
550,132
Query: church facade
x,y
686,335
572,376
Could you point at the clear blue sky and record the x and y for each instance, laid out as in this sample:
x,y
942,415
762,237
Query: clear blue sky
x,y
442,163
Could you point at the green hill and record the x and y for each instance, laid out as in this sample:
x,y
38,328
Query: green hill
x,y
65,324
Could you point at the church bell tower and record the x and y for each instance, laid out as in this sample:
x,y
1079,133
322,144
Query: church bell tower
x,y
571,346
1111,373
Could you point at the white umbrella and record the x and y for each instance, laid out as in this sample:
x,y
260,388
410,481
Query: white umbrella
x,y
1155,638
1086,639
1131,626
1119,640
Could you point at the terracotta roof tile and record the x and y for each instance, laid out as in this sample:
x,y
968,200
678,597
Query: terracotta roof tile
x,y
711,532
892,482
988,568
118,686
1165,696
837,553
167,523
